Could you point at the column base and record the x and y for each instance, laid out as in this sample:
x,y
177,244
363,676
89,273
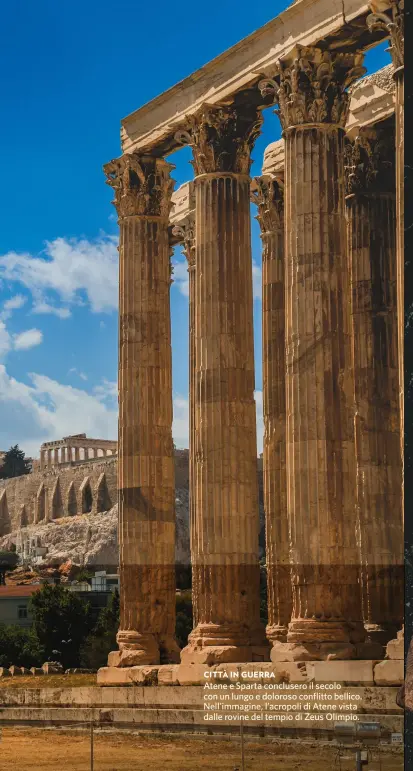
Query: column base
x,y
328,651
313,640
277,632
143,649
215,644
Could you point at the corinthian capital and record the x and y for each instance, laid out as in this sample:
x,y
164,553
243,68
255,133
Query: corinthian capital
x,y
142,185
369,162
186,235
222,137
268,194
392,23
310,86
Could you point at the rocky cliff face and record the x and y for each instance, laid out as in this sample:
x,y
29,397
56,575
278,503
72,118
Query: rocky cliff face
x,y
91,540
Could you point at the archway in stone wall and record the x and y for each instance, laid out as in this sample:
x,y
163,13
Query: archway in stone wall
x,y
103,501
86,496
5,521
23,518
71,500
57,503
41,504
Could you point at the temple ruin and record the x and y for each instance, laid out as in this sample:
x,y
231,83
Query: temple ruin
x,y
329,204
75,448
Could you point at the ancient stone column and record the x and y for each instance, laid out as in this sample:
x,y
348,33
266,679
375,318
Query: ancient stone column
x,y
77,454
143,190
226,526
56,456
49,457
268,194
372,252
43,458
309,87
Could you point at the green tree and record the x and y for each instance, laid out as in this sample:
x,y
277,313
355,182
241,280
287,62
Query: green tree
x,y
102,640
8,561
184,617
20,646
62,622
15,463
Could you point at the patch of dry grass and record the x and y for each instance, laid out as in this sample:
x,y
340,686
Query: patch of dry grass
x,y
48,681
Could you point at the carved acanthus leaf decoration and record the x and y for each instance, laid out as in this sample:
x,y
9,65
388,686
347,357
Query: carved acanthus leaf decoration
x,y
312,87
222,137
369,163
268,194
186,235
392,23
142,185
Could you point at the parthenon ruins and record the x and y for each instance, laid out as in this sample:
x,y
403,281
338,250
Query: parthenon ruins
x,y
75,448
329,204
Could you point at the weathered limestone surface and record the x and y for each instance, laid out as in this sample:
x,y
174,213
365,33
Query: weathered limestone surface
x,y
306,23
326,620
143,190
226,525
65,492
372,253
269,197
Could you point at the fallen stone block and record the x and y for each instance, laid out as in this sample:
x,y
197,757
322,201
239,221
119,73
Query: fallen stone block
x,y
52,668
14,671
389,672
36,671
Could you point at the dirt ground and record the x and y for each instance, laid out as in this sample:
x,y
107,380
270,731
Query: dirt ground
x,y
49,750
48,681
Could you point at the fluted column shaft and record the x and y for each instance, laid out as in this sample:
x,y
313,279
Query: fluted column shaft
x,y
319,380
226,515
269,198
225,546
310,90
145,448
371,222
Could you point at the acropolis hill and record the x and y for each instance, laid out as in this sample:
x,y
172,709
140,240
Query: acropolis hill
x,y
68,505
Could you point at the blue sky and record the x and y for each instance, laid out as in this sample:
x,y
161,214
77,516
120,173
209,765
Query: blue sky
x,y
74,69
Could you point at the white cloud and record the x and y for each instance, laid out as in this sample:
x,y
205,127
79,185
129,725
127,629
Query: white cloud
x,y
75,271
5,343
44,307
180,277
180,425
27,339
256,281
47,410
76,372
13,303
